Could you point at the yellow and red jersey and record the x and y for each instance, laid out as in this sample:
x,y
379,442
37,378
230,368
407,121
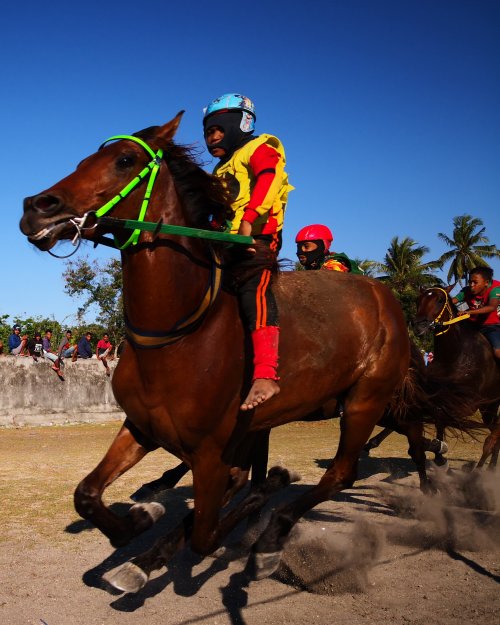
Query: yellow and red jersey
x,y
256,178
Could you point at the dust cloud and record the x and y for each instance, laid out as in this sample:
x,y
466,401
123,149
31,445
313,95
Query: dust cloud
x,y
462,516
322,563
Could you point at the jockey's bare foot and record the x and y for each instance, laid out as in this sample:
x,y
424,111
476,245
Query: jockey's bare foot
x,y
262,390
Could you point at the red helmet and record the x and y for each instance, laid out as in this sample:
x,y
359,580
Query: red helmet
x,y
315,232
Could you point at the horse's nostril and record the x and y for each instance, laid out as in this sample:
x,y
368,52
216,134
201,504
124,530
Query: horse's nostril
x,y
44,203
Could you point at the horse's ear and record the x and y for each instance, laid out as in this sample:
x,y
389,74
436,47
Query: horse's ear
x,y
166,133
423,289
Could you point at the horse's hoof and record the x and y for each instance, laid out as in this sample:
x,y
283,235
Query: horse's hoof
x,y
438,446
127,577
294,476
265,564
285,476
229,553
145,515
439,466
444,448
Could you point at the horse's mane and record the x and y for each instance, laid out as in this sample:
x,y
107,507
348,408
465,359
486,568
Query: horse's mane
x,y
205,199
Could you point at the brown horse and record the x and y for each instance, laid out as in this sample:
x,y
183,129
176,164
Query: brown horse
x,y
185,367
460,351
434,401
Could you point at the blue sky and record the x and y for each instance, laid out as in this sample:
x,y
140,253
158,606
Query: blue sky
x,y
389,110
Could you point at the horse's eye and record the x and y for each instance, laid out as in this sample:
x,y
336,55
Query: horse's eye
x,y
125,162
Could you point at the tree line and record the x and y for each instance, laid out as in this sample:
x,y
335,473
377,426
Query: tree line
x,y
99,284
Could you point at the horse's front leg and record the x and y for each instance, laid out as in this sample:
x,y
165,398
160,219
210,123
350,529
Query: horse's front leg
x,y
211,480
168,480
133,575
128,448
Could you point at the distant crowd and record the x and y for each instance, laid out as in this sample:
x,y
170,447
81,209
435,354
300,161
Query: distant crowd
x,y
38,347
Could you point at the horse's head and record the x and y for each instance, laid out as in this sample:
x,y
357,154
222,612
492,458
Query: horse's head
x,y
434,305
72,207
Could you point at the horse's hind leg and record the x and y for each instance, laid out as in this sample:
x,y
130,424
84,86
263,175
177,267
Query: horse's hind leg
x,y
417,446
491,443
128,448
356,427
377,440
491,448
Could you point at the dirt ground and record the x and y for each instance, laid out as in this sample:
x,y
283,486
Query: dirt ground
x,y
379,553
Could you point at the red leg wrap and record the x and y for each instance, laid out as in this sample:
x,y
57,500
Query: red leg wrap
x,y
265,352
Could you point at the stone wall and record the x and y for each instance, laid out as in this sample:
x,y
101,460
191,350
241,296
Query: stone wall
x,y
32,394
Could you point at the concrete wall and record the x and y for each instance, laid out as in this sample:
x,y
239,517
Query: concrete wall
x,y
32,394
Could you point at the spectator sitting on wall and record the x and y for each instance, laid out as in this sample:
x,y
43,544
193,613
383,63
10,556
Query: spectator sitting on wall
x,y
66,348
102,351
48,353
35,347
84,348
17,344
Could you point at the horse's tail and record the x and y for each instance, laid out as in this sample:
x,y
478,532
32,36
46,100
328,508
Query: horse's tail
x,y
436,399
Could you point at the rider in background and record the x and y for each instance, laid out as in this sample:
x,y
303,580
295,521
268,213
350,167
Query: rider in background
x,y
313,251
253,171
482,296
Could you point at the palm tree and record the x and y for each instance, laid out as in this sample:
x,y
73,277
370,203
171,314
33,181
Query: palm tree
x,y
403,268
404,272
470,246
370,267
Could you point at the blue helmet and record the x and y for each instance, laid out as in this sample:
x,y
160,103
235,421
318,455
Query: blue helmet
x,y
233,102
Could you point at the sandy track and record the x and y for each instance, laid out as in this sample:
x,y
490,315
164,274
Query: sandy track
x,y
381,553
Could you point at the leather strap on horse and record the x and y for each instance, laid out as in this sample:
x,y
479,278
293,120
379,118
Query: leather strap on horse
x,y
154,339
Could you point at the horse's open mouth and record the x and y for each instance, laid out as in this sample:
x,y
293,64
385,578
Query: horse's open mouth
x,y
47,237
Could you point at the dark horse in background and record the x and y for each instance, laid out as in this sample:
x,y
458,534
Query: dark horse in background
x,y
461,351
184,369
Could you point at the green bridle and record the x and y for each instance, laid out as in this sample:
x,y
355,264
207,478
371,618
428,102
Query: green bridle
x,y
156,339
150,170
139,225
